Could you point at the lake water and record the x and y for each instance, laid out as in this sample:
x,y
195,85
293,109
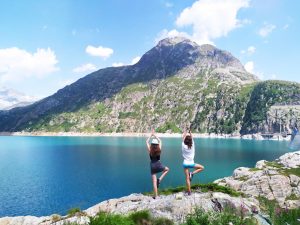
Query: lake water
x,y
46,175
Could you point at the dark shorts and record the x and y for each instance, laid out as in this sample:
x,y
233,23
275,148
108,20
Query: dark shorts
x,y
156,167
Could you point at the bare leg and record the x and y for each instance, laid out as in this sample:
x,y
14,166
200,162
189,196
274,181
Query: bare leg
x,y
187,179
198,168
154,181
166,170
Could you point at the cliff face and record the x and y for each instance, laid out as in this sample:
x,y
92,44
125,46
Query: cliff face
x,y
273,107
176,83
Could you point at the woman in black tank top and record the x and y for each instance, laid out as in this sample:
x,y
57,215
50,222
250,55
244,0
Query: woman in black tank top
x,y
154,150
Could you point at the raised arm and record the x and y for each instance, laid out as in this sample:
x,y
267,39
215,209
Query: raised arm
x,y
159,141
148,140
147,143
191,134
184,134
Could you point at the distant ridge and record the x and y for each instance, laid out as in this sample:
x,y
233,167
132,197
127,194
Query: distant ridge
x,y
10,98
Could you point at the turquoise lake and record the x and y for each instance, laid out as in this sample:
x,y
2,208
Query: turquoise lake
x,y
46,175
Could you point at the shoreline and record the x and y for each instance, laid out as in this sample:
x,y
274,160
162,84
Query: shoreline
x,y
256,136
176,201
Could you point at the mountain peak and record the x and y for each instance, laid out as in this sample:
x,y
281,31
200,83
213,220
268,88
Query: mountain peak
x,y
173,54
174,41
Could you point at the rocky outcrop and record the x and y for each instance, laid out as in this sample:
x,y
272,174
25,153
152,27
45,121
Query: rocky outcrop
x,y
174,207
278,180
273,107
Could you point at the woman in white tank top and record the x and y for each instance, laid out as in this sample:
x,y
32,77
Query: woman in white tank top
x,y
188,153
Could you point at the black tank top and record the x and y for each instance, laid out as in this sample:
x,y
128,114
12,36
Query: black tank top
x,y
154,158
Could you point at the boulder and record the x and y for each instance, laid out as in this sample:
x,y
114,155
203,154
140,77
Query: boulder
x,y
290,160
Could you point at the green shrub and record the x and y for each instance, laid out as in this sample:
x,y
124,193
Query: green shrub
x,y
73,211
286,216
278,215
140,217
199,217
110,219
136,218
254,169
293,196
169,126
55,218
227,215
162,221
124,115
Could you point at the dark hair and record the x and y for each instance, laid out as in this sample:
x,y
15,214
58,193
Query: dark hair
x,y
188,141
155,150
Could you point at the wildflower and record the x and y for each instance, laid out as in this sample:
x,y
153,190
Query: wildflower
x,y
278,211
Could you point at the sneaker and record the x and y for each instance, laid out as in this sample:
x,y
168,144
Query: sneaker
x,y
189,193
157,183
191,176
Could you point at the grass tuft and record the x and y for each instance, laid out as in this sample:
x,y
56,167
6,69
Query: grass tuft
x,y
212,187
278,215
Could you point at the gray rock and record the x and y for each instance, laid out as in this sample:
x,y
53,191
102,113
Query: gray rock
x,y
171,206
241,172
268,181
260,164
290,160
295,180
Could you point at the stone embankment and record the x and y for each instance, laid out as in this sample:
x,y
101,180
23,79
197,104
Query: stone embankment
x,y
277,180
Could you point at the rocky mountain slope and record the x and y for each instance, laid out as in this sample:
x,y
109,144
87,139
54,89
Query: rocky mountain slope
x,y
176,83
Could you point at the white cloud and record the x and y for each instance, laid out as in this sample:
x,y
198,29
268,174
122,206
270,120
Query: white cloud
x,y
17,64
169,4
88,67
266,29
99,51
117,64
135,60
172,33
250,50
249,67
211,19
286,26
11,97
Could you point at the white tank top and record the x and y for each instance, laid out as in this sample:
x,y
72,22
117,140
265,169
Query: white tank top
x,y
188,153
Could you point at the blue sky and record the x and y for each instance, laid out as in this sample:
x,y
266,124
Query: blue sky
x,y
45,45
